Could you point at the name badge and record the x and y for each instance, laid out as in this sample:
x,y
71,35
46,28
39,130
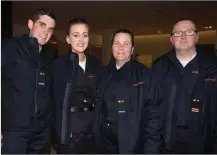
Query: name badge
x,y
41,79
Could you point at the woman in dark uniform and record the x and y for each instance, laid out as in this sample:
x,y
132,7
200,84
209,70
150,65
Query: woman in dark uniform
x,y
126,118
73,87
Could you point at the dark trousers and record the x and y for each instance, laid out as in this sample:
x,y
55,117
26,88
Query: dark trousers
x,y
20,142
78,145
186,142
111,145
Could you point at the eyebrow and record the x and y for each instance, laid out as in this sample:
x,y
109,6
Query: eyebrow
x,y
45,24
192,29
41,22
79,33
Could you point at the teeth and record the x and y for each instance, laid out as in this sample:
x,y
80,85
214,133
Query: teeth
x,y
44,37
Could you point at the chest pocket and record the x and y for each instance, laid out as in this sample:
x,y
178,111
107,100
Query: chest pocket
x,y
91,79
211,85
20,72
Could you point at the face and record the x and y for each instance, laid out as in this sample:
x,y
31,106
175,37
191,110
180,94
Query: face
x,y
122,47
185,36
42,29
78,37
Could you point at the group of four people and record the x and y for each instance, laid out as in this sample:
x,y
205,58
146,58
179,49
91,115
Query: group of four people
x,y
123,107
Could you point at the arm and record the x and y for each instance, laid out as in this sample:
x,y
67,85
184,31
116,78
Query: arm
x,y
154,116
7,47
215,127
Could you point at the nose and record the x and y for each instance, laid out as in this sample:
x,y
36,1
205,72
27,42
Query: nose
x,y
183,36
122,46
81,38
46,31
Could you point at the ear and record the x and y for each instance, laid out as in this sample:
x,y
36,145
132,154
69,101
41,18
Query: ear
x,y
30,24
197,37
68,40
171,40
132,50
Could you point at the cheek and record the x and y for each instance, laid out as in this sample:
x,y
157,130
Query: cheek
x,y
114,52
73,44
34,31
72,40
86,40
128,52
175,41
49,36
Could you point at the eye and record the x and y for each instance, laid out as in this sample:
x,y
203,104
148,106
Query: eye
x,y
51,29
75,35
189,32
85,36
42,24
178,33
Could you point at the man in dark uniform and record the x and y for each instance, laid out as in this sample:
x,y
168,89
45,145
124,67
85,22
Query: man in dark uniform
x,y
73,86
188,81
26,105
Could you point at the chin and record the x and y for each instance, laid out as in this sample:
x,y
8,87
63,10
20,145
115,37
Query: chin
x,y
79,51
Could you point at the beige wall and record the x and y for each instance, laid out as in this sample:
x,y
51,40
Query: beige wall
x,y
156,45
60,34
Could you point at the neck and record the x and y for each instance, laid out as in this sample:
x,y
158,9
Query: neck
x,y
185,54
121,63
82,57
40,47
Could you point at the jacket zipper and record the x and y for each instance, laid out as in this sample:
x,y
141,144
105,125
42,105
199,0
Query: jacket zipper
x,y
36,87
100,117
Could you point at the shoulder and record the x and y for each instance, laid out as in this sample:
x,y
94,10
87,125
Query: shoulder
x,y
62,57
57,60
10,42
141,67
93,59
161,59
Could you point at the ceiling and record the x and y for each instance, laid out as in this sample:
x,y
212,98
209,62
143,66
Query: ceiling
x,y
141,17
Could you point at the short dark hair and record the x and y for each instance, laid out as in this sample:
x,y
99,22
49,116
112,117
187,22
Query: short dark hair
x,y
124,31
77,20
40,12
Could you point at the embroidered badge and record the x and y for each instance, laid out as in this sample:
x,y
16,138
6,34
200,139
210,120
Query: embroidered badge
x,y
195,109
91,76
140,83
210,79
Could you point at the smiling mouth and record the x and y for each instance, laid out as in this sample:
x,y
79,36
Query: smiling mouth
x,y
43,37
80,45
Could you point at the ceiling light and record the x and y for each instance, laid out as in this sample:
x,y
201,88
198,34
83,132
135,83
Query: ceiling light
x,y
208,27
159,31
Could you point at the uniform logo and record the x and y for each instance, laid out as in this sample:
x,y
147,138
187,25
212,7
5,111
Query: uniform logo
x,y
91,76
195,72
195,110
210,80
137,84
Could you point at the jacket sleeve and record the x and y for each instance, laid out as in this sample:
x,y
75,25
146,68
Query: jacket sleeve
x,y
215,130
7,48
153,116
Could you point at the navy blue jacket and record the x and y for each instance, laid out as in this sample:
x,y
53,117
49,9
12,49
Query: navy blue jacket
x,y
139,128
64,79
26,103
203,97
